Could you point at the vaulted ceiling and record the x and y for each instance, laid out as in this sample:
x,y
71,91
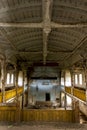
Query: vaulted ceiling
x,y
43,31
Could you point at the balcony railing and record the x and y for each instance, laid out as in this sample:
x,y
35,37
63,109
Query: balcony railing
x,y
11,93
81,94
0,97
68,89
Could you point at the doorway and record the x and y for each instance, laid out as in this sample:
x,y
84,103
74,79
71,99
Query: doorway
x,y
47,96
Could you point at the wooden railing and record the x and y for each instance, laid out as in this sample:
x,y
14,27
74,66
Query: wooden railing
x,y
47,115
81,94
68,89
14,114
11,93
0,97
7,113
10,112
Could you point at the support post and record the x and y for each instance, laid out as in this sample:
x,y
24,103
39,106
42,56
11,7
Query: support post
x,y
77,116
65,103
16,82
60,86
28,88
85,72
86,83
23,90
72,83
27,92
18,112
72,79
3,79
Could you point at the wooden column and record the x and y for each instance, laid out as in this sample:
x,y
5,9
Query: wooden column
x,y
16,82
72,79
27,91
85,72
23,89
65,103
64,79
72,83
60,78
28,87
3,79
60,86
77,116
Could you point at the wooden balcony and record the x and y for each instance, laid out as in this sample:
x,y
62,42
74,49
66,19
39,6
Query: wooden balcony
x,y
0,97
13,113
11,93
68,89
81,94
48,115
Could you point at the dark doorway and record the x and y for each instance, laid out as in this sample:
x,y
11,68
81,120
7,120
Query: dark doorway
x,y
47,96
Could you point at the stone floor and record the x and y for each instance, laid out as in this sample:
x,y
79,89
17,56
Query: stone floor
x,y
43,126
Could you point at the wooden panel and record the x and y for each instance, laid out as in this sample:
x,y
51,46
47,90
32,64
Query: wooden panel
x,y
20,90
47,115
81,94
0,97
68,89
8,113
12,93
13,113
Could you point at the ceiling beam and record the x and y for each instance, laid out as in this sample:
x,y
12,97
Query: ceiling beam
x,y
59,25
47,5
42,24
22,25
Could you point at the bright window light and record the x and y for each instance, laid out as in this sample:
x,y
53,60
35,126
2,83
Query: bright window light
x,y
76,79
62,81
8,78
12,79
69,101
20,78
80,79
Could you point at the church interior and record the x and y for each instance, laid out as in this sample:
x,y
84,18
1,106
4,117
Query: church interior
x,y
43,62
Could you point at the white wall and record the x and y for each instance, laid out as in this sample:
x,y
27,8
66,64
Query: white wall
x,y
39,94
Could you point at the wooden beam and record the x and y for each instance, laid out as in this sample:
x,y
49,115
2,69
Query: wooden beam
x,y
22,25
47,5
59,25
41,25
